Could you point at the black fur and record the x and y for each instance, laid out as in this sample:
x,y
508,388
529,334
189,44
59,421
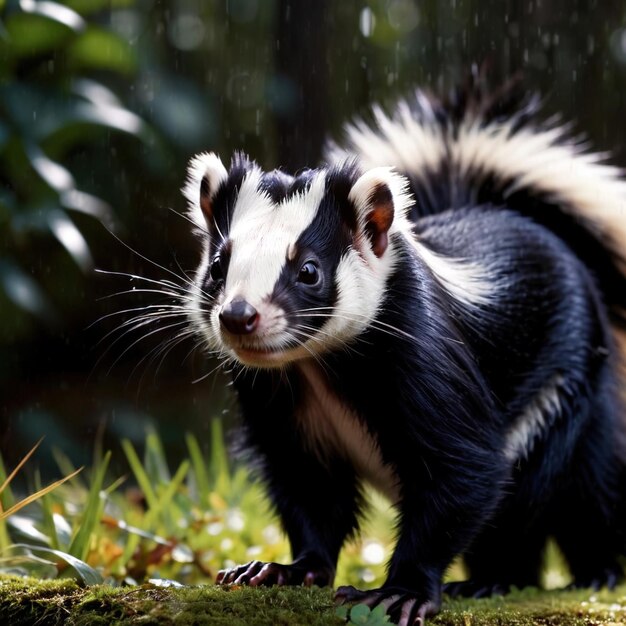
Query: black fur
x,y
441,392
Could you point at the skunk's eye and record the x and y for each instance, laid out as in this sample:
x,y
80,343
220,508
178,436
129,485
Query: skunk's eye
x,y
309,273
216,271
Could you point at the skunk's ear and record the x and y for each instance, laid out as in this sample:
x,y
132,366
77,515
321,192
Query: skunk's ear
x,y
205,175
373,198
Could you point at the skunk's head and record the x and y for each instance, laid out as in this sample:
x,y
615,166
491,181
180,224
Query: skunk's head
x,y
292,266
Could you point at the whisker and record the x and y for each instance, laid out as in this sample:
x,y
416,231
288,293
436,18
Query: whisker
x,y
162,281
161,292
134,323
225,361
157,307
382,326
188,219
162,351
152,332
145,258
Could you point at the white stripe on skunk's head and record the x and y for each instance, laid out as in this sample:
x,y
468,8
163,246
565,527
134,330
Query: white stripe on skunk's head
x,y
292,267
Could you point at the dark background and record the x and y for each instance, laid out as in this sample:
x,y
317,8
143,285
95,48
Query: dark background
x,y
273,78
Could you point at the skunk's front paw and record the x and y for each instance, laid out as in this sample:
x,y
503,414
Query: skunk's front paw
x,y
404,606
258,573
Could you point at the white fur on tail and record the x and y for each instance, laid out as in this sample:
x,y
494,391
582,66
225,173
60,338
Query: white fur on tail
x,y
546,161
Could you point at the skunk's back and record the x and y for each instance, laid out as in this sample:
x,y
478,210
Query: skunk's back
x,y
473,149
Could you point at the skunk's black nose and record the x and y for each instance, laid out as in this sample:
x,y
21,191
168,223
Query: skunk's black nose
x,y
239,317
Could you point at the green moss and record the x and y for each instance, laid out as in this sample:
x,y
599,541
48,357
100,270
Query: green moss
x,y
29,601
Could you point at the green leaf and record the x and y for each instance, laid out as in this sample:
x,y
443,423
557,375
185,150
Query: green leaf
x,y
219,470
140,473
24,529
79,546
98,49
55,175
155,461
85,572
342,611
173,485
27,565
48,524
31,34
360,613
55,12
85,7
24,292
67,467
7,500
379,613
199,466
89,205
70,238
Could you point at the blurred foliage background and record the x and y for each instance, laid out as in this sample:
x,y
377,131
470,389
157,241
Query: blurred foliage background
x,y
102,103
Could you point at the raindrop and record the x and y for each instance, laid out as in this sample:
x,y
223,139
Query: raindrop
x,y
403,15
618,45
186,31
367,22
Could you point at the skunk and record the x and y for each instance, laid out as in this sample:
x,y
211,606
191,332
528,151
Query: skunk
x,y
437,311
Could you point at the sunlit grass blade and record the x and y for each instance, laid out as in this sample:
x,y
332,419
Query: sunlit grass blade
x,y
141,476
49,527
86,573
35,496
166,498
19,466
199,467
155,462
219,469
163,502
67,467
7,499
27,565
79,546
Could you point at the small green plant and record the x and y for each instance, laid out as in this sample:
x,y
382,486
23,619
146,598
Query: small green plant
x,y
363,614
5,488
157,523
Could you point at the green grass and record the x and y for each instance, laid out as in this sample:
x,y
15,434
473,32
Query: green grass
x,y
182,523
29,601
159,524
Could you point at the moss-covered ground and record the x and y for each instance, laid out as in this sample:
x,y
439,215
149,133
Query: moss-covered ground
x,y
42,603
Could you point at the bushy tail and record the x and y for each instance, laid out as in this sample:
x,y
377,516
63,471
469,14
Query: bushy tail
x,y
474,148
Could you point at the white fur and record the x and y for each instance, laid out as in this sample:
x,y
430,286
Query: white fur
x,y
469,283
261,233
402,142
534,421
332,427
543,160
204,164
361,276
